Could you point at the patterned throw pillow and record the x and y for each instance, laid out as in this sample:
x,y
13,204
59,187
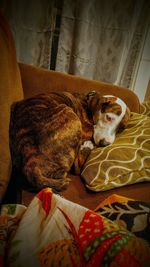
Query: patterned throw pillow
x,y
132,214
145,108
126,161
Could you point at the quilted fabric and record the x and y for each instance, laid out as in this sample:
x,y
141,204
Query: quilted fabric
x,y
55,232
132,214
124,162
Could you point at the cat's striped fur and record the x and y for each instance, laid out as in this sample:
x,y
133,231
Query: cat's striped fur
x,y
45,134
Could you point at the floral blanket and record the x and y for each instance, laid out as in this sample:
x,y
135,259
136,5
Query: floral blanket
x,y
133,214
55,232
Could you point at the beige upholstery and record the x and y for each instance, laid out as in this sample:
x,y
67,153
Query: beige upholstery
x,y
10,91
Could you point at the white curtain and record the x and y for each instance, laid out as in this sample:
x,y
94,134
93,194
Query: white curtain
x,y
102,39
98,39
32,23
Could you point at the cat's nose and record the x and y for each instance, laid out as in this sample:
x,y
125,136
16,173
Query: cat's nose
x,y
103,143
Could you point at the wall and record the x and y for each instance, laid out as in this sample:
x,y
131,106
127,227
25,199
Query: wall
x,y
143,73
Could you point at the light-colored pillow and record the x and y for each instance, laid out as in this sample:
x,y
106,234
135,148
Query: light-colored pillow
x,y
126,161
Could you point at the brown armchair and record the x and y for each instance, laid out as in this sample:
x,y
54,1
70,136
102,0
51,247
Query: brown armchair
x,y
26,81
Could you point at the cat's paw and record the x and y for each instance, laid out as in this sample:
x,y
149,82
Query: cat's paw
x,y
87,144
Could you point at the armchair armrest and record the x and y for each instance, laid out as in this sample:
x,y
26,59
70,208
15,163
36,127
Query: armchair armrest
x,y
39,80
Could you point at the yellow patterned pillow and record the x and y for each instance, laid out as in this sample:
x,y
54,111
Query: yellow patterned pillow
x,y
145,108
126,161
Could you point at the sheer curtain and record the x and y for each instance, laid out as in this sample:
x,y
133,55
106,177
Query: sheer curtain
x,y
102,39
98,39
32,23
